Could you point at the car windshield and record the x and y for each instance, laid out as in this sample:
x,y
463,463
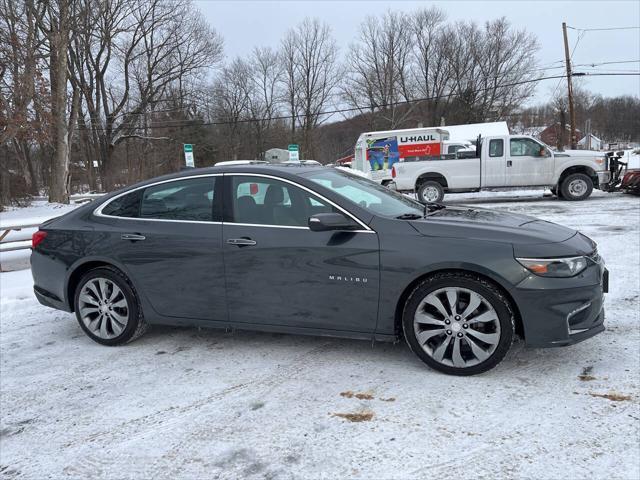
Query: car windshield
x,y
369,195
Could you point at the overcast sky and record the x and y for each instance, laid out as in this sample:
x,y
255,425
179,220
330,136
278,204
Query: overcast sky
x,y
245,24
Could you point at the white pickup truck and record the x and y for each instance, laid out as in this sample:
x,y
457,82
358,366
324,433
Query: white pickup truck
x,y
508,161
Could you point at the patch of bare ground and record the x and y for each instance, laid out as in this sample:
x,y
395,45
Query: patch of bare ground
x,y
359,396
364,416
586,376
613,396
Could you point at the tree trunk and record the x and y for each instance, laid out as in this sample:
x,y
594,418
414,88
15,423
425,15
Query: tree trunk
x,y
21,148
5,184
58,40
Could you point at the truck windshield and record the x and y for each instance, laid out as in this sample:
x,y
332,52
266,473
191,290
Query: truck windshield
x,y
369,195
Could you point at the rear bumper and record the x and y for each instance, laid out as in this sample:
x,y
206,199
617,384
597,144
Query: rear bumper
x,y
49,300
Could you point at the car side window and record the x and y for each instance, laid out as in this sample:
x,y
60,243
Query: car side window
x,y
267,201
125,206
190,200
520,147
496,148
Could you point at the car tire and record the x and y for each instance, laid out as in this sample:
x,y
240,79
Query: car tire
x,y
576,187
107,307
482,335
430,192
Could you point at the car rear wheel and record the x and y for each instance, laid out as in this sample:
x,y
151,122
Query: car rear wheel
x,y
458,324
430,192
107,307
576,186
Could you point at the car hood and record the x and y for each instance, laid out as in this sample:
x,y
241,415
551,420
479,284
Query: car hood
x,y
491,225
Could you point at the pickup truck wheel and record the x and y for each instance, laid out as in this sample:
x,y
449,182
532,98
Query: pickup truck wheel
x,y
576,186
430,192
458,323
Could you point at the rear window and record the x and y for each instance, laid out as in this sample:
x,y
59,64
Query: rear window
x,y
124,206
180,200
188,200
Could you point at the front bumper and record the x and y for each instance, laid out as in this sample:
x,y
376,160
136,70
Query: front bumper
x,y
554,317
604,177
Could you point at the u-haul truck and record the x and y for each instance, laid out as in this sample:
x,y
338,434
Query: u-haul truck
x,y
376,152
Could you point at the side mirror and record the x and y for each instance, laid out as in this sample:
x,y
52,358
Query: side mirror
x,y
544,152
322,222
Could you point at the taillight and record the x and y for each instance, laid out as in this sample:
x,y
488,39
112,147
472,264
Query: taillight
x,y
393,172
37,238
253,188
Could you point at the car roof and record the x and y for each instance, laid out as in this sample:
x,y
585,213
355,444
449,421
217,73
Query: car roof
x,y
281,169
290,168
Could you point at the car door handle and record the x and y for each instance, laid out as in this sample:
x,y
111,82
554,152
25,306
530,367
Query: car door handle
x,y
509,163
241,242
134,237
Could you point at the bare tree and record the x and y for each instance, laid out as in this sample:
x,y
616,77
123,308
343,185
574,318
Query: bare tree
x,y
311,75
288,59
55,19
127,55
23,89
490,68
433,71
231,104
379,66
265,76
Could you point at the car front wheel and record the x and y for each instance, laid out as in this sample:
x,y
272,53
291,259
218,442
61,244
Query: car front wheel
x,y
458,323
107,307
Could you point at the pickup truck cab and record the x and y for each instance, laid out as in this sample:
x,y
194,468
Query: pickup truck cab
x,y
507,161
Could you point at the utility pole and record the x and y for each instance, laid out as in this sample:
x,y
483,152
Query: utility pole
x,y
572,112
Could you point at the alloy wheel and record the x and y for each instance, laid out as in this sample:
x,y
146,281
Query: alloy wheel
x,y
457,327
103,308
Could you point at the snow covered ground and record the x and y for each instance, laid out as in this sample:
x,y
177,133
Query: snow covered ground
x,y
189,403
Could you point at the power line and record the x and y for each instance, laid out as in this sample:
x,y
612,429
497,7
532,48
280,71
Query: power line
x,y
176,124
608,74
604,63
603,29
580,35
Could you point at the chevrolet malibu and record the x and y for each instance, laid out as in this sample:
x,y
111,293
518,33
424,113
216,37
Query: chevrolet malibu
x,y
316,250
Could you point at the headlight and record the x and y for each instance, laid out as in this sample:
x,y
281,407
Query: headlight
x,y
554,267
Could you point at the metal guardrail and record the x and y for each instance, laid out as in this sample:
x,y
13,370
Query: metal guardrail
x,y
12,245
23,244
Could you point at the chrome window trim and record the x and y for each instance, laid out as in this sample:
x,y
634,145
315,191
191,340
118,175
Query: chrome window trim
x,y
366,228
98,211
288,226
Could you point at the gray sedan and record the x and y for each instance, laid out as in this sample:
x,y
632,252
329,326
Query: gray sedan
x,y
316,250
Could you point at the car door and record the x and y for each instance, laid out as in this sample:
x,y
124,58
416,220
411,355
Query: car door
x,y
528,163
169,238
494,164
279,272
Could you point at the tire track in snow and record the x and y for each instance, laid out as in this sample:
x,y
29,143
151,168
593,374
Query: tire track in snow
x,y
168,419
